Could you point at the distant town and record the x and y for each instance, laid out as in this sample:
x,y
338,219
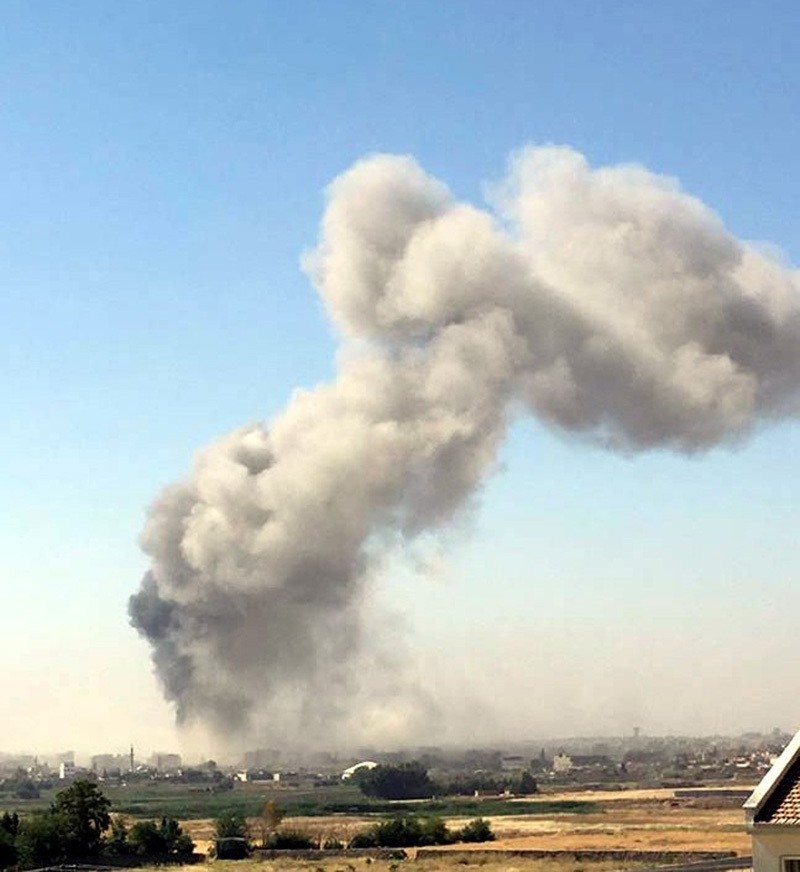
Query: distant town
x,y
647,761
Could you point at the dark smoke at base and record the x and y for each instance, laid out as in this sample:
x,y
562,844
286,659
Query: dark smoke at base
x,y
605,302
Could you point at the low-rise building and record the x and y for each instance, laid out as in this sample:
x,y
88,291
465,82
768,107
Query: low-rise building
x,y
772,814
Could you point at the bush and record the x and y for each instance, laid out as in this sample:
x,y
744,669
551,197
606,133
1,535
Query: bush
x,y
151,839
365,839
73,828
9,828
8,850
399,832
42,839
145,840
294,840
477,830
178,843
435,832
405,831
466,785
117,842
26,790
230,825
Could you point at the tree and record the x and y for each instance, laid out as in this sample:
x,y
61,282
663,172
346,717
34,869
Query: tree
x,y
527,783
9,828
399,832
364,839
146,840
177,843
407,781
269,820
9,824
42,839
161,840
434,832
230,825
83,811
26,790
403,831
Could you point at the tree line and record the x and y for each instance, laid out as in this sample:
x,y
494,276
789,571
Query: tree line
x,y
78,826
234,838
412,781
410,831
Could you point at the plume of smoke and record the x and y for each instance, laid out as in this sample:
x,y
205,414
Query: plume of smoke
x,y
607,302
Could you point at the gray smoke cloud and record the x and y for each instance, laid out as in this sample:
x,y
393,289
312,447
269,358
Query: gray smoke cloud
x,y
606,302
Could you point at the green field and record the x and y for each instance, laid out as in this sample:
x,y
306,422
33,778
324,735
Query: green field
x,y
189,801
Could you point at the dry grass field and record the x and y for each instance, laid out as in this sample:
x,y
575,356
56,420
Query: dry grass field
x,y
438,864
630,820
624,821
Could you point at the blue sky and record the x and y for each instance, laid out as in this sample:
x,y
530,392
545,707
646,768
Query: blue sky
x,y
163,172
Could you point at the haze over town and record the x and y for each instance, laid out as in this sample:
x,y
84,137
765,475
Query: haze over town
x,y
348,240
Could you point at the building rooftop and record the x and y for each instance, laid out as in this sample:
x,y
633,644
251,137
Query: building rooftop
x,y
776,800
783,804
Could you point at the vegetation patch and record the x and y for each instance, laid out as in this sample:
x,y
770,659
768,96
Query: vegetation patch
x,y
74,829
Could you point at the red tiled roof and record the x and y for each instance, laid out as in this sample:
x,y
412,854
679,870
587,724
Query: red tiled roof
x,y
783,806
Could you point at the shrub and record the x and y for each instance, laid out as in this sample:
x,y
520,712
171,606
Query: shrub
x,y
435,832
294,840
27,790
146,840
365,839
8,850
399,832
151,839
404,831
117,842
42,839
477,830
270,819
9,830
230,825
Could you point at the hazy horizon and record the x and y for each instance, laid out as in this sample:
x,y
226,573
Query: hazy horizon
x,y
530,744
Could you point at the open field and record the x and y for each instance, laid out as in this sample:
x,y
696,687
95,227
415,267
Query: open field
x,y
433,864
614,820
603,820
187,801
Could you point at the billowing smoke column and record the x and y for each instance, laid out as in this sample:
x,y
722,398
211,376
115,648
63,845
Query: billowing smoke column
x,y
606,302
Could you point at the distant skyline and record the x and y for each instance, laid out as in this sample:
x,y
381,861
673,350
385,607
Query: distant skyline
x,y
165,170
282,757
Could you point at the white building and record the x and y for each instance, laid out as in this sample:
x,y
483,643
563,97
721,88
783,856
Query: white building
x,y
772,814
351,770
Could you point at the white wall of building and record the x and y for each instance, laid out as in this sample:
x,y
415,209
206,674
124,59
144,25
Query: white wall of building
x,y
770,847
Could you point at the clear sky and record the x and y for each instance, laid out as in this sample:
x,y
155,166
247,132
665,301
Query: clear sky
x,y
164,168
